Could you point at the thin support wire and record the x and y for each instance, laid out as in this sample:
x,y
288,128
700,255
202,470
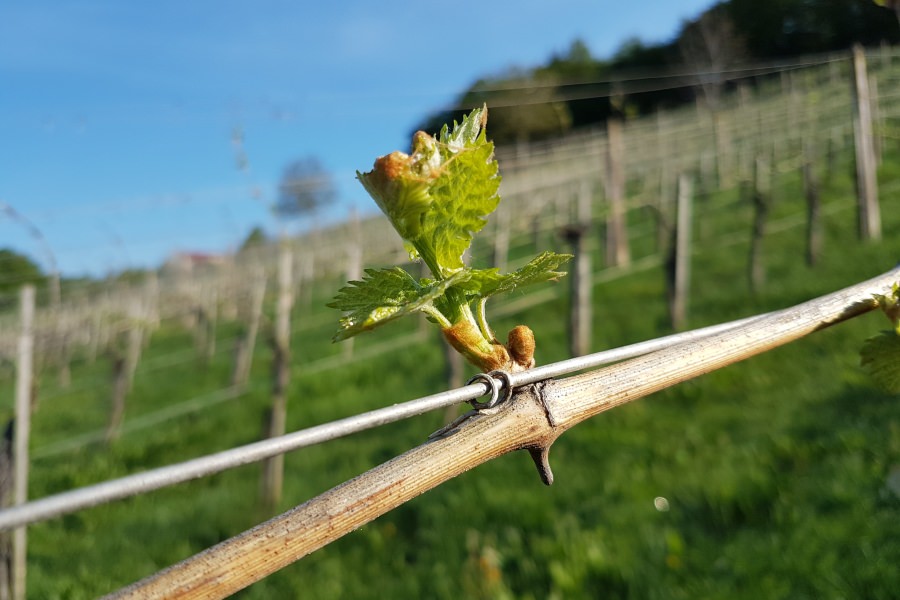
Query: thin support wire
x,y
139,483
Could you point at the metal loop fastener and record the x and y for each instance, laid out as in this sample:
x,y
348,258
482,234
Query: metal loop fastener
x,y
504,377
495,380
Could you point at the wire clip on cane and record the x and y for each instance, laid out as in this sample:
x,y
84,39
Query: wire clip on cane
x,y
498,381
499,388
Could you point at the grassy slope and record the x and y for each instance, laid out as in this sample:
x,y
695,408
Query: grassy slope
x,y
774,470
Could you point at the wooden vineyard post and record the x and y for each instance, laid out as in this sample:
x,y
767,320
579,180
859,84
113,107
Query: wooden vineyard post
x,y
247,343
724,152
99,329
151,299
663,198
831,154
6,499
64,350
21,435
866,181
617,250
124,367
307,273
661,206
537,239
813,210
877,121
273,468
760,195
211,302
663,212
204,324
119,391
680,261
580,320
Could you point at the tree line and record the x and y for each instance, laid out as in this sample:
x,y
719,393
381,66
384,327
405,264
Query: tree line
x,y
574,89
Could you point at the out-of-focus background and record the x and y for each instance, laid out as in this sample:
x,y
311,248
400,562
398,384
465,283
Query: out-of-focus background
x,y
131,134
172,174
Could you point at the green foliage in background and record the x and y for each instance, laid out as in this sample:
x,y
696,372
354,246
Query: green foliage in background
x,y
16,270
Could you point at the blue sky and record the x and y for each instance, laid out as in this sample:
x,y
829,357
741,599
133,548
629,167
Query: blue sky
x,y
117,119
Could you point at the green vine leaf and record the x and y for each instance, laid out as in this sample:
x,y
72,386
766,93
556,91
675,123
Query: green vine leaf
x,y
490,282
890,304
464,195
439,196
384,295
880,358
880,355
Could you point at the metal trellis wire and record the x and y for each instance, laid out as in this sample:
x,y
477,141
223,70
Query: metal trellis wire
x,y
139,483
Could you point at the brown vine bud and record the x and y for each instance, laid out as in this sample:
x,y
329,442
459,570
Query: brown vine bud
x,y
520,344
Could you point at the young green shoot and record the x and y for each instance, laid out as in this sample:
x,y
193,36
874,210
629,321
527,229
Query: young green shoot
x,y
437,197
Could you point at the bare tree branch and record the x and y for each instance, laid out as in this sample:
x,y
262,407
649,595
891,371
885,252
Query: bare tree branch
x,y
305,187
710,46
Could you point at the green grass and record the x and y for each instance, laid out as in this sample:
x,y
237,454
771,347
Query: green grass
x,y
774,470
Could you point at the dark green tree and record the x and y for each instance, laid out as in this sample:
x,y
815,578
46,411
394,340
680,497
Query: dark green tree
x,y
780,28
710,48
524,106
574,89
16,270
582,82
255,239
